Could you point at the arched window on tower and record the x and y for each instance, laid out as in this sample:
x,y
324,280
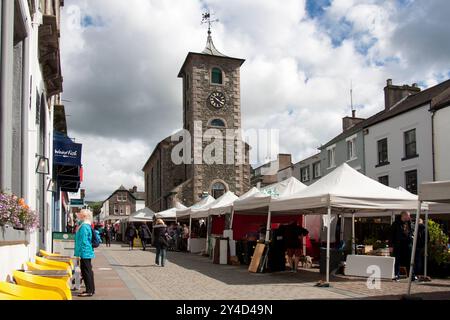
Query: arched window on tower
x,y
216,76
217,123
218,189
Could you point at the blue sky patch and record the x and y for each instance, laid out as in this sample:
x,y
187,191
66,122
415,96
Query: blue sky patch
x,y
316,8
90,21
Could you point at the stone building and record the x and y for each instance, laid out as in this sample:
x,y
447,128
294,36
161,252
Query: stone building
x,y
211,117
122,202
269,172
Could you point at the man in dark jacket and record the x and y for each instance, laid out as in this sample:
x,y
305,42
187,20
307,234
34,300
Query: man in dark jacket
x,y
144,234
401,242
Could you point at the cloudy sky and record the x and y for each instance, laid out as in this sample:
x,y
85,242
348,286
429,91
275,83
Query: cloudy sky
x,y
120,63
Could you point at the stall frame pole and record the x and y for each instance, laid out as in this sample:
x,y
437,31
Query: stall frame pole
x,y
269,218
353,234
190,233
304,238
425,265
328,243
413,253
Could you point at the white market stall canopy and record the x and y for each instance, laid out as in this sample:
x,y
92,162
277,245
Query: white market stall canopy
x,y
170,213
204,203
255,199
438,191
221,205
115,217
348,190
143,215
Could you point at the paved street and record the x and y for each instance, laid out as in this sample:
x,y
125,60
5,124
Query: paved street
x,y
122,274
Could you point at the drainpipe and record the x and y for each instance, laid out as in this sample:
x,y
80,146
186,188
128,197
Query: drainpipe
x,y
6,89
432,144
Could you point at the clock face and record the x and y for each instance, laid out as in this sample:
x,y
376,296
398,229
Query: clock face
x,y
217,99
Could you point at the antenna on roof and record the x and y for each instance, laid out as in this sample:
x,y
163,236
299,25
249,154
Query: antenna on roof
x,y
351,95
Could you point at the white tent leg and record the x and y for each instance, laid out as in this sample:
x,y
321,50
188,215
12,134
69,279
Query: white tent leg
x,y
190,232
269,218
328,243
413,253
353,234
425,263
304,238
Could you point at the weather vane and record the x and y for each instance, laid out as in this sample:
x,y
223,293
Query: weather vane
x,y
207,18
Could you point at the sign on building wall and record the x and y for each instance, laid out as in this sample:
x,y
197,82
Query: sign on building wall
x,y
66,152
63,243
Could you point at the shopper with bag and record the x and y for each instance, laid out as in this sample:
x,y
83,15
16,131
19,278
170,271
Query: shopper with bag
x,y
85,251
160,241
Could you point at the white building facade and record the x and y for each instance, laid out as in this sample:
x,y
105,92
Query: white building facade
x,y
28,91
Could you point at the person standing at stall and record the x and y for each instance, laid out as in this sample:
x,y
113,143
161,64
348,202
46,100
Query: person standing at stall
x,y
131,233
401,241
420,250
160,241
85,251
293,240
144,234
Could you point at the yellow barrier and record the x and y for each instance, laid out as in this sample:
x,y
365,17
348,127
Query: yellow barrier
x,y
27,293
4,296
43,283
44,253
35,266
54,264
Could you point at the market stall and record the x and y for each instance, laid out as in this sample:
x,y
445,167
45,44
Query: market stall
x,y
170,214
143,215
344,190
438,193
196,241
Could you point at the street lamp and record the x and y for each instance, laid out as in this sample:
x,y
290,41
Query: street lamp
x,y
51,185
43,165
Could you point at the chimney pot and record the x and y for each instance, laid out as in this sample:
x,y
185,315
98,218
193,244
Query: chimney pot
x,y
389,82
353,113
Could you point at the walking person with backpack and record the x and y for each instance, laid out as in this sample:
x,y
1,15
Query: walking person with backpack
x,y
160,241
86,239
131,233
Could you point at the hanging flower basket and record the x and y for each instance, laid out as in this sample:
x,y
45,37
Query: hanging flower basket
x,y
15,212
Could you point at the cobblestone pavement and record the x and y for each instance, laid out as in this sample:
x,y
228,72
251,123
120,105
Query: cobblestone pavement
x,y
189,276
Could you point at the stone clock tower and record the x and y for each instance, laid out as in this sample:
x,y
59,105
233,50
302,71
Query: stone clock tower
x,y
211,100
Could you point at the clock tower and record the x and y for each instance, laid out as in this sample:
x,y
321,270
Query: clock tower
x,y
212,102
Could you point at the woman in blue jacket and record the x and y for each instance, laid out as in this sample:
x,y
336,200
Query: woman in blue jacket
x,y
84,250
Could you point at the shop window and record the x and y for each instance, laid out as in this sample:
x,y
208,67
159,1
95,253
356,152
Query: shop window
x,y
216,76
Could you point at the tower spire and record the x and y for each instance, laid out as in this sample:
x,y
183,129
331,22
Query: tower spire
x,y
210,48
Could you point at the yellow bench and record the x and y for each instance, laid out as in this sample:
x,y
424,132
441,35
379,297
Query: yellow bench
x,y
4,296
26,293
37,282
35,266
53,264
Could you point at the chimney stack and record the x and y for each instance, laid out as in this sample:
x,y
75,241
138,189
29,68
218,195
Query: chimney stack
x,y
393,93
349,122
353,113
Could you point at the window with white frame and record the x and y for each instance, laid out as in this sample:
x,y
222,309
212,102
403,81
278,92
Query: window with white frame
x,y
304,174
331,152
351,148
316,170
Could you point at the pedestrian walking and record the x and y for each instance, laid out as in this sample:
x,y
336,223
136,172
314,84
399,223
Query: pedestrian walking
x,y
401,241
85,251
131,233
108,235
145,235
160,241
